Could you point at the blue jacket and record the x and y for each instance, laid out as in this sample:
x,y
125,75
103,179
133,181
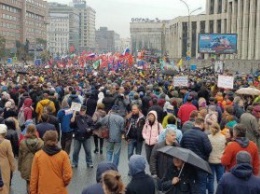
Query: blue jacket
x,y
115,124
97,188
43,127
198,142
64,119
239,180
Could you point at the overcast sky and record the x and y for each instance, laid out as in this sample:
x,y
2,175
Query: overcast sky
x,y
117,14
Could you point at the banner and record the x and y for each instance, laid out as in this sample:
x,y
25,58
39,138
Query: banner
x,y
226,82
180,81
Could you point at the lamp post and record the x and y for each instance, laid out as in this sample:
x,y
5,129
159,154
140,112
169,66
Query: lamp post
x,y
188,54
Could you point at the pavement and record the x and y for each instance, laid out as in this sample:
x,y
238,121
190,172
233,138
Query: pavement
x,y
82,176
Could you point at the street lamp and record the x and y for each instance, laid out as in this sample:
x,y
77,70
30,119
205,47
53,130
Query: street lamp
x,y
188,54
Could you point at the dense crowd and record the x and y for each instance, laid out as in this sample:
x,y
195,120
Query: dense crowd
x,y
215,126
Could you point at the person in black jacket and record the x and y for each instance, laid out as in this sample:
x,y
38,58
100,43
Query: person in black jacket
x,y
141,182
82,125
1,181
178,179
12,135
91,103
198,142
53,120
108,100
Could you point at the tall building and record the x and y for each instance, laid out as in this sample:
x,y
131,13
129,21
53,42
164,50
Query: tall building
x,y
63,29
21,20
87,19
107,40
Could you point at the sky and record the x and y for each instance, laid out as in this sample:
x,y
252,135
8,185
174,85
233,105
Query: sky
x,y
117,14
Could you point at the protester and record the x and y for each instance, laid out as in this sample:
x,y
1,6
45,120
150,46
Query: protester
x,y
53,120
134,125
28,147
241,178
27,111
140,182
190,123
51,171
6,159
1,181
112,183
218,142
12,135
185,110
115,124
151,131
101,168
240,143
198,142
44,125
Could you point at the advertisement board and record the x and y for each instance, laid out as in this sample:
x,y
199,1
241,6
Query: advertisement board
x,y
218,43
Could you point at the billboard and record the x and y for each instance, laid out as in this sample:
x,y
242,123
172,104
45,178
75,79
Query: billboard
x,y
218,43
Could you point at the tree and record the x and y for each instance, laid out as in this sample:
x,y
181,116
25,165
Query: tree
x,y
2,46
41,42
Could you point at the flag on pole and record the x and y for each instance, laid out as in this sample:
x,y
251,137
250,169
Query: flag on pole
x,y
180,63
96,64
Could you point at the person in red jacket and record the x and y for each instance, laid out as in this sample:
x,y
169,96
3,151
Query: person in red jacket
x,y
185,110
240,143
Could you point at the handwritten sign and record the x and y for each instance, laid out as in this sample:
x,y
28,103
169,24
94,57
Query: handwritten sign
x,y
180,81
75,106
226,82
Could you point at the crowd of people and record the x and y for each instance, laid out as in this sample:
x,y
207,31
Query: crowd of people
x,y
39,125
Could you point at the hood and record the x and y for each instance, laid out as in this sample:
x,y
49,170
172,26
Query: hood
x,y
136,164
27,102
154,113
171,126
103,167
51,150
242,171
33,144
73,96
44,102
243,141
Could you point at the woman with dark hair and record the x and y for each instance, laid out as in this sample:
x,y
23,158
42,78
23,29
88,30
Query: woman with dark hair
x,y
112,183
28,147
12,135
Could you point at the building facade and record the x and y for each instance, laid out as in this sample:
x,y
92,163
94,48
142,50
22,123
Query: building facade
x,y
107,40
63,19
23,19
91,29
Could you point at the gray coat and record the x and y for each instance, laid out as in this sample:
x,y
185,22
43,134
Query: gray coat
x,y
115,124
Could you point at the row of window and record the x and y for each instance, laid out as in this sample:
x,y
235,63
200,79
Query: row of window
x,y
10,34
34,16
36,3
9,8
31,23
9,17
9,26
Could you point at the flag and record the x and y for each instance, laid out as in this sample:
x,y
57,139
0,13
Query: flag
x,y
180,63
126,52
96,64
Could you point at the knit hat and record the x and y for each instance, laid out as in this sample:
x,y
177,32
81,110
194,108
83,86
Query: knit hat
x,y
115,108
243,157
231,124
136,164
3,129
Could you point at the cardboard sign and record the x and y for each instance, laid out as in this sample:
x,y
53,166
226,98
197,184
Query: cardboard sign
x,y
226,82
75,106
180,81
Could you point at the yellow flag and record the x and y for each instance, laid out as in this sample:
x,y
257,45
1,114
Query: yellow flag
x,y
180,63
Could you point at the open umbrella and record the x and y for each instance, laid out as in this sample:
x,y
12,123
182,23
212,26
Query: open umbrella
x,y
187,156
248,91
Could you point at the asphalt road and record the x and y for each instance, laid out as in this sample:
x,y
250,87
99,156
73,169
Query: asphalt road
x,y
82,176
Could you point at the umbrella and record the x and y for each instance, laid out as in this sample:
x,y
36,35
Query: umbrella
x,y
170,72
187,156
248,91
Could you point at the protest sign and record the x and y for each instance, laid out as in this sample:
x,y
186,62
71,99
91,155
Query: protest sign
x,y
226,82
75,106
180,81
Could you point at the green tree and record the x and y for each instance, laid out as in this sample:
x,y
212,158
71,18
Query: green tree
x,y
2,46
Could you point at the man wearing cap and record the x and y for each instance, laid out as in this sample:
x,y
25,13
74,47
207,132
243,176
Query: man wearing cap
x,y
82,124
240,179
115,124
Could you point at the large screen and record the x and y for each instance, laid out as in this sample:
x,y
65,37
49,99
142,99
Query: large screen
x,y
218,43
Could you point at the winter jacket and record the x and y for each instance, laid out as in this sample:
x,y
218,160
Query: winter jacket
x,y
55,121
239,180
185,110
240,144
97,188
115,124
188,125
28,147
1,180
123,104
64,117
13,137
151,133
27,110
43,127
73,98
134,126
159,162
198,142
41,105
252,126
108,101
141,183
159,110
51,171
91,104
82,126
186,184
218,142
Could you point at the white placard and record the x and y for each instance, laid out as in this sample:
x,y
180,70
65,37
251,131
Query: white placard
x,y
75,106
226,82
180,81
